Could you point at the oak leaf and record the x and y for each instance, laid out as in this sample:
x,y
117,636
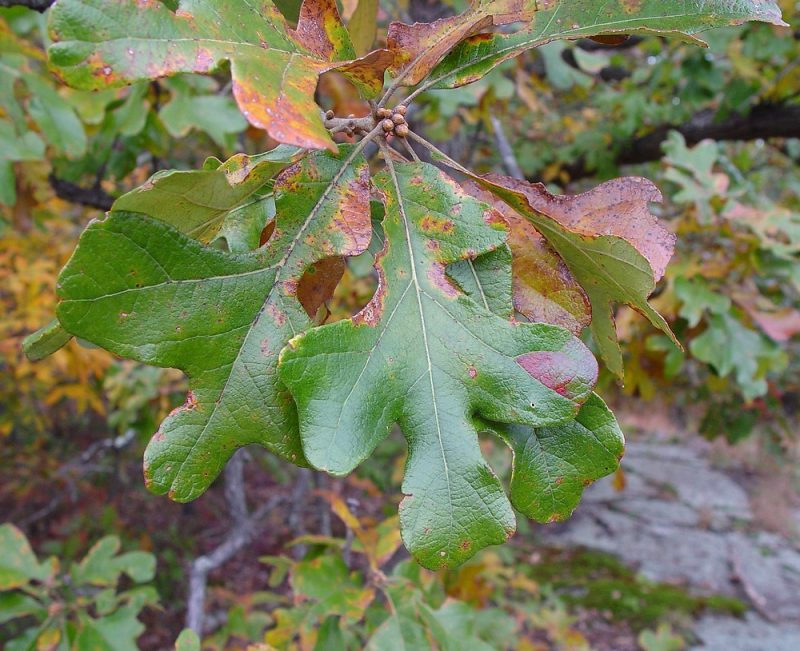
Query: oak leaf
x,y
107,43
423,355
141,289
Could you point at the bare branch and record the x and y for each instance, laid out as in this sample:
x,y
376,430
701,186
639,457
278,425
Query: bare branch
x,y
245,525
94,197
36,5
504,148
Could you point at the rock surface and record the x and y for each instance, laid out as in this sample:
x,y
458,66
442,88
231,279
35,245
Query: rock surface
x,y
679,520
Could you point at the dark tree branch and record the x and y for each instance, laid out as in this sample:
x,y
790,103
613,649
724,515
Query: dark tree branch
x,y
36,5
764,121
94,197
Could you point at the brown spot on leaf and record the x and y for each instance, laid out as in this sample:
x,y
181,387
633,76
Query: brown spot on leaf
x,y
439,279
277,315
569,372
432,224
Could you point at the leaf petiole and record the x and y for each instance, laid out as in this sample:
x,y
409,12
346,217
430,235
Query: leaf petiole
x,y
444,158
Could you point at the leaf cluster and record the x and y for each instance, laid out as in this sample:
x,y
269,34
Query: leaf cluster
x,y
80,608
483,284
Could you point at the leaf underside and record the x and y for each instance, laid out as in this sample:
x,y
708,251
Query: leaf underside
x,y
476,56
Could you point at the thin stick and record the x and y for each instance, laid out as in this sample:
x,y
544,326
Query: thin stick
x,y
244,527
510,161
444,157
410,149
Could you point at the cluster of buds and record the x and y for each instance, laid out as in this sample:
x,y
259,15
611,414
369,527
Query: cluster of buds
x,y
393,122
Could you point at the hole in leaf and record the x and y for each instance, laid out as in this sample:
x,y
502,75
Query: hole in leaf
x,y
318,284
269,229
356,288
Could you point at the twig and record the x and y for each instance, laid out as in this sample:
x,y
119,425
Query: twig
x,y
363,124
410,149
302,488
79,465
244,528
510,161
444,158
755,597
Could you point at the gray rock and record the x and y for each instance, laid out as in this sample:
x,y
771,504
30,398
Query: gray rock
x,y
750,634
680,520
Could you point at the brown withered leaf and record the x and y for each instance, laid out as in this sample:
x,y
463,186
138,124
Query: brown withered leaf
x,y
318,284
422,45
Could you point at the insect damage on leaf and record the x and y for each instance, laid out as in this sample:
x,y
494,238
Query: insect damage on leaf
x,y
101,43
145,291
425,356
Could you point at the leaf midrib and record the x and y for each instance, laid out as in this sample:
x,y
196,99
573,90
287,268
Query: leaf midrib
x,y
415,281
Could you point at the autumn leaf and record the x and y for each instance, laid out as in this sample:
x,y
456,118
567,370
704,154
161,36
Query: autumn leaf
x,y
613,246
419,47
573,19
108,43
423,355
141,289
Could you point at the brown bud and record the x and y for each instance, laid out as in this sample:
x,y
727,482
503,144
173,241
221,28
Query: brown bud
x,y
383,113
387,125
401,130
401,109
398,119
329,115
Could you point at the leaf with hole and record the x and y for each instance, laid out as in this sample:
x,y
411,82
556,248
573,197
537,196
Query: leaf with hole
x,y
141,289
